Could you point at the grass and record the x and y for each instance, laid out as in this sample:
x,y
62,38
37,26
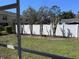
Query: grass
x,y
66,47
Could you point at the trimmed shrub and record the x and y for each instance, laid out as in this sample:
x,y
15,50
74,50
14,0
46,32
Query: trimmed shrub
x,y
8,29
1,28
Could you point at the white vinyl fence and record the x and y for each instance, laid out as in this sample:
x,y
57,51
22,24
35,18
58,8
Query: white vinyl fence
x,y
62,30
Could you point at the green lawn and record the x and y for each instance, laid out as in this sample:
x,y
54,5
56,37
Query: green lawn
x,y
67,47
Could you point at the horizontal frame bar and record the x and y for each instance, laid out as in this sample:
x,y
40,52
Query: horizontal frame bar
x,y
11,6
53,56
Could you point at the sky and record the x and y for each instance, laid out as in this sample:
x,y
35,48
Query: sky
x,y
65,5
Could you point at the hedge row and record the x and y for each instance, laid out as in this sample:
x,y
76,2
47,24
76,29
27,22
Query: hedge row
x,y
8,29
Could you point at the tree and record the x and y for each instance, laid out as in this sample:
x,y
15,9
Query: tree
x,y
67,15
78,14
30,17
0,30
42,17
54,14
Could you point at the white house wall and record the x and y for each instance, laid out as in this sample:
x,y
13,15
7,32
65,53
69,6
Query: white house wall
x,y
70,30
67,30
78,31
46,30
26,29
36,29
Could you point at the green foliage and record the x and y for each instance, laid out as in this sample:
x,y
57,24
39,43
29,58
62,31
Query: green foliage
x,y
8,29
56,10
67,15
1,28
42,15
30,15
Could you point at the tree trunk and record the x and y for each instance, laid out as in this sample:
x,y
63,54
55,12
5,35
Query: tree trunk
x,y
22,29
41,29
31,29
55,22
54,31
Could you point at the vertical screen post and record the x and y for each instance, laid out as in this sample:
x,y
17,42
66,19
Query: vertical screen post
x,y
18,29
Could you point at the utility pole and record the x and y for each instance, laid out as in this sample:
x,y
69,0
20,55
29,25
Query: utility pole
x,y
18,30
